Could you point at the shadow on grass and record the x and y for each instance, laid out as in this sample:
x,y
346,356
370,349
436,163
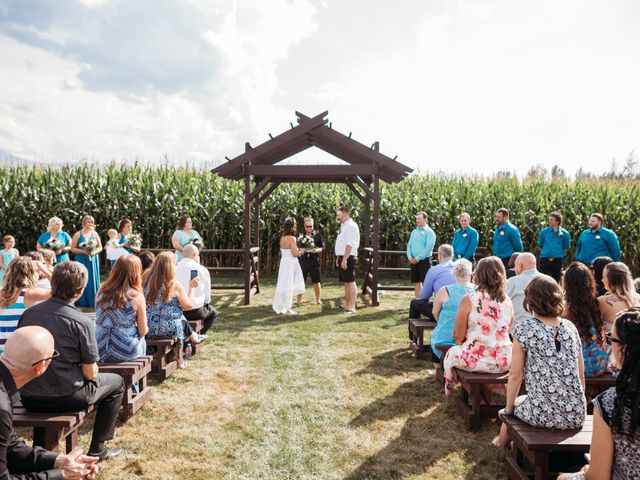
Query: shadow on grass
x,y
395,362
424,441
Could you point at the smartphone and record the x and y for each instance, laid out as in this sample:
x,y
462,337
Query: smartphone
x,y
194,274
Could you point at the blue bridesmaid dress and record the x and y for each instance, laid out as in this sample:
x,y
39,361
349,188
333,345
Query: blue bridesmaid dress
x,y
93,268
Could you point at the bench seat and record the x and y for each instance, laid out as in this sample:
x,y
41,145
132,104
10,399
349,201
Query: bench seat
x,y
416,336
165,354
134,372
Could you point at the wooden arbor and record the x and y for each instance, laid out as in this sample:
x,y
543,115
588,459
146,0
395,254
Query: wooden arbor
x,y
365,167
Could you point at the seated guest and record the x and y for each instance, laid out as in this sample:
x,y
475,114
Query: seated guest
x,y
26,356
615,443
121,313
437,277
525,268
201,309
18,293
597,266
146,257
482,325
511,266
445,305
581,308
621,293
44,273
72,381
166,300
547,353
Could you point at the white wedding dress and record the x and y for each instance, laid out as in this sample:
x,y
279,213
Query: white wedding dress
x,y
290,282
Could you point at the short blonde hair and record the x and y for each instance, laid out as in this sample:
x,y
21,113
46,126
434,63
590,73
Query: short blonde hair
x,y
465,214
8,238
54,221
88,218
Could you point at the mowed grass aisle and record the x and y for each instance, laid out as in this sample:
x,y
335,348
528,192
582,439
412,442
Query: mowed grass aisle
x,y
322,395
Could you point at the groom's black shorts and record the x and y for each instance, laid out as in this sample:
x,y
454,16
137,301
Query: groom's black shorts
x,y
310,265
348,275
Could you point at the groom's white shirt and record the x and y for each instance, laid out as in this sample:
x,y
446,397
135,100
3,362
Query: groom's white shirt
x,y
202,293
349,235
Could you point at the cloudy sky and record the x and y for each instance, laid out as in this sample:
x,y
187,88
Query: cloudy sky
x,y
462,86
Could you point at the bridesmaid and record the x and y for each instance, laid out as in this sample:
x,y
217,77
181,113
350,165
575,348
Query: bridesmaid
x,y
54,230
89,258
125,227
183,235
7,254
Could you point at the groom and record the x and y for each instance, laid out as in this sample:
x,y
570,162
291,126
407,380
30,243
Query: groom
x,y
346,251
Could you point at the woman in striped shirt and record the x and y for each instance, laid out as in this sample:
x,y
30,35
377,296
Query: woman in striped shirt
x,y
18,293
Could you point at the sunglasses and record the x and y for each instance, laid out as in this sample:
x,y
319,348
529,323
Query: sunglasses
x,y
611,339
55,355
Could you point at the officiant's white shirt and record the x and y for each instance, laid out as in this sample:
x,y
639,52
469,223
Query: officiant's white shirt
x,y
349,235
202,293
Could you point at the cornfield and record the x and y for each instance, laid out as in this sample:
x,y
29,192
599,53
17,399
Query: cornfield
x,y
155,198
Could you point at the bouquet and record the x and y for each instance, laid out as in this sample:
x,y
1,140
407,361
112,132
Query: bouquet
x,y
89,246
54,244
134,239
198,243
306,243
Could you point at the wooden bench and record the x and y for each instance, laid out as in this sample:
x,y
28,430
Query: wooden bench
x,y
596,385
197,327
165,354
472,395
416,336
536,445
54,426
133,373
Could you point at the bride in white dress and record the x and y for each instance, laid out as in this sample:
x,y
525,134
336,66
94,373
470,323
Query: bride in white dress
x,y
290,279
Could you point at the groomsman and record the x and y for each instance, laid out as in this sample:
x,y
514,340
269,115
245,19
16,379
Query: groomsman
x,y
346,250
506,237
310,261
554,241
597,241
465,239
419,250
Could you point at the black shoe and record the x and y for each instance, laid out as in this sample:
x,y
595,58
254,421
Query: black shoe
x,y
106,454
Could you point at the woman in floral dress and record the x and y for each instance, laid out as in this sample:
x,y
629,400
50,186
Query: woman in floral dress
x,y
482,325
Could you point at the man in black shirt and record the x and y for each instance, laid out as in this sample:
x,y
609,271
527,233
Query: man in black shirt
x,y
310,261
27,355
72,381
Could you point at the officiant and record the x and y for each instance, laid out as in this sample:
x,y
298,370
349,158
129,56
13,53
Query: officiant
x,y
311,242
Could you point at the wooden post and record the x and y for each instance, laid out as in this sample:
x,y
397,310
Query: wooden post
x,y
375,243
256,219
367,222
247,239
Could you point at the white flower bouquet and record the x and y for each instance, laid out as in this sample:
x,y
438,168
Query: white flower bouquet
x,y
198,243
90,246
306,243
54,244
134,239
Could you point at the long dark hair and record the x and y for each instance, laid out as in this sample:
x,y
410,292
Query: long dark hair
x,y
627,328
122,223
582,299
597,265
289,227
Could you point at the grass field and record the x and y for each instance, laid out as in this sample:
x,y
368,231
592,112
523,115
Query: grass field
x,y
318,395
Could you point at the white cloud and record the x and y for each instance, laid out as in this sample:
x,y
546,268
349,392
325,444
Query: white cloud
x,y
456,85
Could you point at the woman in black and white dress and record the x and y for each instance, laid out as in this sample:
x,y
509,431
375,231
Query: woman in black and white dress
x,y
290,278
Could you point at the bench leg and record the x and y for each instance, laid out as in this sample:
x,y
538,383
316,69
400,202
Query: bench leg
x,y
474,406
71,440
541,469
47,438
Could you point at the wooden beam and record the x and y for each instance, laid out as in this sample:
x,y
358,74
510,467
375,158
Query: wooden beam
x,y
375,241
247,240
309,171
270,189
357,193
258,188
364,186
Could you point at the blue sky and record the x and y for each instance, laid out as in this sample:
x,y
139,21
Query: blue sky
x,y
470,86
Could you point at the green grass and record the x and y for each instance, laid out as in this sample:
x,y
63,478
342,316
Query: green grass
x,y
318,395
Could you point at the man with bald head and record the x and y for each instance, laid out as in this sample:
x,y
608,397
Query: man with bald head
x,y
189,268
27,354
526,271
